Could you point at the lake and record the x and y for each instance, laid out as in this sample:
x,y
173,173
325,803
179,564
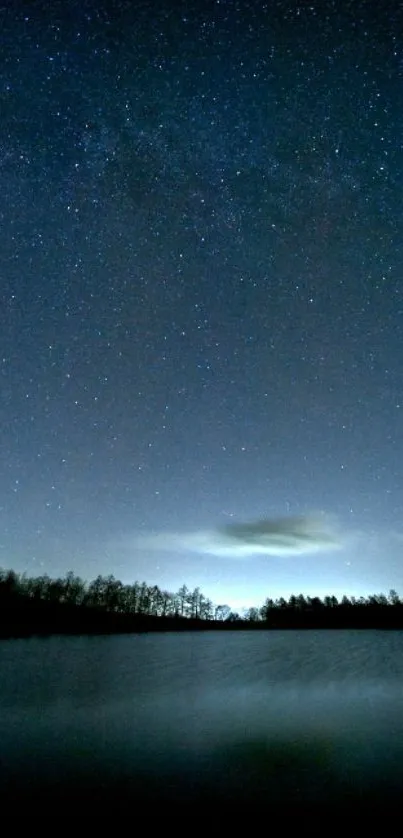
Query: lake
x,y
258,717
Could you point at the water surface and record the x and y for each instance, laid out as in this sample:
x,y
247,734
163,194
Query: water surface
x,y
264,717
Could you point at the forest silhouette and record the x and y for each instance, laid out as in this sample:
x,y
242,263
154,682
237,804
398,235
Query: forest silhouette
x,y
41,605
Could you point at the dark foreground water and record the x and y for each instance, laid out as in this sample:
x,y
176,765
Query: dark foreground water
x,y
244,718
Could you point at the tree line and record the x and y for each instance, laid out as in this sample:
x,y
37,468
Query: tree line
x,y
45,605
40,604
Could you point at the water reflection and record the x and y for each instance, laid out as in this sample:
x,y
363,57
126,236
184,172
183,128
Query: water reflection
x,y
297,717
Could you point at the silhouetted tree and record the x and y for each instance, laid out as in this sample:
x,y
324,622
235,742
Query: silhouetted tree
x,y
194,603
252,615
315,603
233,617
74,589
9,584
96,592
222,612
182,598
301,602
105,604
167,604
207,608
330,602
265,610
281,603
393,597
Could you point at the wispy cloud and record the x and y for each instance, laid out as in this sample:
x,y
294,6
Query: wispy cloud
x,y
293,536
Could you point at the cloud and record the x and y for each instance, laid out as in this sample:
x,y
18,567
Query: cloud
x,y
293,536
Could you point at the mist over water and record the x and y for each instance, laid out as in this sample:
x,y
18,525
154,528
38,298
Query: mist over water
x,y
261,716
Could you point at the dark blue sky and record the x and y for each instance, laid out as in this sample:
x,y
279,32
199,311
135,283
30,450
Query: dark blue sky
x,y
201,267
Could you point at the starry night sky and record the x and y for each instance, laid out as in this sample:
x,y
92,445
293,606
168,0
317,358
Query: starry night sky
x,y
201,273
